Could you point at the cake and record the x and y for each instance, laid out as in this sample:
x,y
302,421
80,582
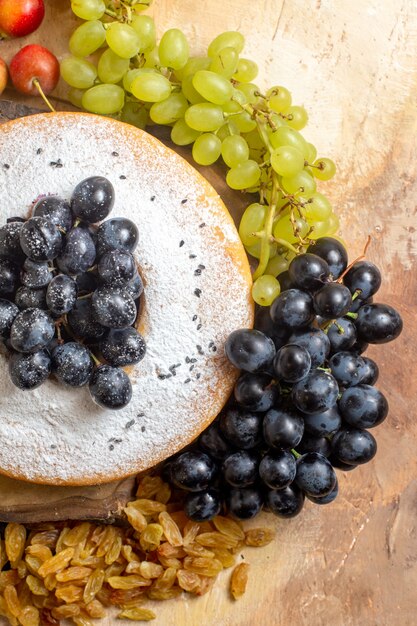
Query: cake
x,y
197,290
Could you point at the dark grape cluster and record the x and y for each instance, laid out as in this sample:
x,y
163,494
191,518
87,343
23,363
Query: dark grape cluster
x,y
305,398
69,294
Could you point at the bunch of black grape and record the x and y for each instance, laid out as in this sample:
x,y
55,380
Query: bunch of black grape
x,y
305,399
69,291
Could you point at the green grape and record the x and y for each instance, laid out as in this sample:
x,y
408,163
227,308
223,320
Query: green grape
x,y
252,221
276,121
317,207
123,40
212,86
334,224
319,229
204,117
75,96
111,68
324,169
255,250
250,90
192,66
78,73
182,134
279,98
206,149
151,87
265,289
223,131
303,181
173,49
87,38
151,58
130,76
104,99
244,122
224,63
311,153
234,105
235,150
284,229
244,175
145,28
229,39
287,160
296,117
88,9
246,71
285,136
140,6
135,113
190,92
277,265
254,140
170,110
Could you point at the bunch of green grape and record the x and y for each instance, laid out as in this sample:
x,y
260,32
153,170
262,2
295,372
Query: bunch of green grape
x,y
211,103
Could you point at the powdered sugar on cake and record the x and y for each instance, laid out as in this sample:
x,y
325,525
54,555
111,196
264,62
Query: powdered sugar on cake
x,y
196,293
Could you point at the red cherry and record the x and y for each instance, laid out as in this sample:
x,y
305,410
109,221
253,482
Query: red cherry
x,y
3,75
20,17
34,65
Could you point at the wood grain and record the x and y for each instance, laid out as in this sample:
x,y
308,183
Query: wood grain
x,y
354,66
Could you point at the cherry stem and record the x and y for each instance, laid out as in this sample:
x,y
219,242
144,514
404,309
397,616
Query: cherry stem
x,y
42,95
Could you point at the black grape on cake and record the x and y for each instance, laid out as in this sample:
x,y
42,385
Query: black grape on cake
x,y
305,400
69,294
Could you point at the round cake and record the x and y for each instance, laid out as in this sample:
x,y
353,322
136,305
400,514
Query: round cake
x,y
197,290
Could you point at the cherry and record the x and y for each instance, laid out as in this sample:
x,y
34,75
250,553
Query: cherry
x,y
34,70
3,75
20,17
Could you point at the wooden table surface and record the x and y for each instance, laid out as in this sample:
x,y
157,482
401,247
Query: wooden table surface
x,y
354,66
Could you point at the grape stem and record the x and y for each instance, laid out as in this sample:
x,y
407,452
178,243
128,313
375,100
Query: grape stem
x,y
264,255
295,453
95,359
362,256
285,244
352,315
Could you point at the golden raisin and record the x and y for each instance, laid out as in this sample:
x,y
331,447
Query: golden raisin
x,y
128,582
56,563
139,614
259,536
69,594
228,527
135,518
204,566
150,538
171,531
29,616
239,580
93,586
15,538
